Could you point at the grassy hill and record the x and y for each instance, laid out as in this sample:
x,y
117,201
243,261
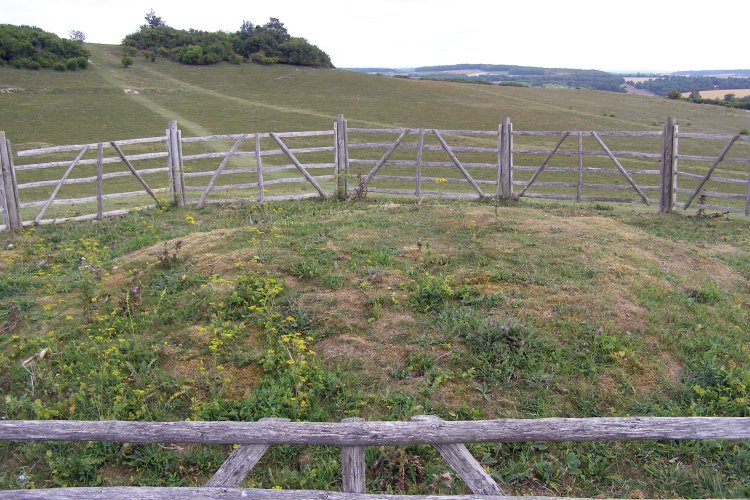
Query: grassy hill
x,y
59,108
382,308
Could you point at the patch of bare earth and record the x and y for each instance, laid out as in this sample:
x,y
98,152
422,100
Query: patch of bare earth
x,y
201,252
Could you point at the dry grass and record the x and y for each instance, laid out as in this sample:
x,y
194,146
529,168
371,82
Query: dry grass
x,y
719,94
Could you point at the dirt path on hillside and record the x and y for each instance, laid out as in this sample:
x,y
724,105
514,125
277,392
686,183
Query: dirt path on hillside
x,y
176,82
632,90
104,70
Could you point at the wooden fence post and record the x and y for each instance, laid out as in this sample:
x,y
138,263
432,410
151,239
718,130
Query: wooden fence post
x,y
3,205
174,149
668,184
353,465
99,180
11,202
420,155
505,160
342,158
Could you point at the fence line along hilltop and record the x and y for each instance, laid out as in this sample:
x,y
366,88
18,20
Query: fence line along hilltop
x,y
664,168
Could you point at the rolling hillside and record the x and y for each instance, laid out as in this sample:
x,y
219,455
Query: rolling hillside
x,y
60,108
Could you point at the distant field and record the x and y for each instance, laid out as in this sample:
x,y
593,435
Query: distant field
x,y
719,94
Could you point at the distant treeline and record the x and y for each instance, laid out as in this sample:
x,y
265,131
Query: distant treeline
x,y
33,48
664,85
528,76
507,68
266,44
714,72
729,101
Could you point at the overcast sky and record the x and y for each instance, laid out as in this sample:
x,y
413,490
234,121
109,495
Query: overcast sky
x,y
626,35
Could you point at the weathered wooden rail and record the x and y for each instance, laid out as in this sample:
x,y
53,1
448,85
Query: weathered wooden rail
x,y
400,161
352,435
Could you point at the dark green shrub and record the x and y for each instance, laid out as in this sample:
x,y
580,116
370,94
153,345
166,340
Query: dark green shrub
x,y
192,54
72,64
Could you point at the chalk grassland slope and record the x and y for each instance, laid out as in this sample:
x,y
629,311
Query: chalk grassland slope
x,y
63,108
321,311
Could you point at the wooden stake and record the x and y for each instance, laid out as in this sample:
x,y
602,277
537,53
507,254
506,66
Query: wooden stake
x,y
259,170
180,170
668,173
420,153
99,180
10,191
353,465
579,188
505,160
341,158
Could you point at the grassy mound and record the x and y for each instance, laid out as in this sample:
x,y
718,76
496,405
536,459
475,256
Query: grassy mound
x,y
321,311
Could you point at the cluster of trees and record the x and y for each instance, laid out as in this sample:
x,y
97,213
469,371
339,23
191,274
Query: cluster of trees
x,y
265,44
33,48
662,86
729,101
505,74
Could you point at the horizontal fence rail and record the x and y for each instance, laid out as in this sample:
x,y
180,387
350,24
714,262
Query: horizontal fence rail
x,y
381,433
352,435
668,168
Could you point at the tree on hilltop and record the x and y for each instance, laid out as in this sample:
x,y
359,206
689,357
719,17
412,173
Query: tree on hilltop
x,y
76,35
154,21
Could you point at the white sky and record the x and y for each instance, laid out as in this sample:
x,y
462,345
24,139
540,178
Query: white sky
x,y
624,35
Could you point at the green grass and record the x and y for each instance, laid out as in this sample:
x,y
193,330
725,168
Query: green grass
x,y
386,309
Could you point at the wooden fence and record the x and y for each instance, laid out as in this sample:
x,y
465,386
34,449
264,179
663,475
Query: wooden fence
x,y
582,166
352,435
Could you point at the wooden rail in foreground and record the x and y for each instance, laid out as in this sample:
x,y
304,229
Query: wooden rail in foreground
x,y
352,435
345,147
